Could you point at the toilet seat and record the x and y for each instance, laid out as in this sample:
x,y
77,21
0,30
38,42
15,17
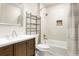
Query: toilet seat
x,y
42,47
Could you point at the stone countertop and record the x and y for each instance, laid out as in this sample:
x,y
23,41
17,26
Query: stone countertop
x,y
12,40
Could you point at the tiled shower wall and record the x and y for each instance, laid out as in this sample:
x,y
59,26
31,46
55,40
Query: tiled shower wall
x,y
73,41
76,19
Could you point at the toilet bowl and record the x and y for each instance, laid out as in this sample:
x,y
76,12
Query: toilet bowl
x,y
42,47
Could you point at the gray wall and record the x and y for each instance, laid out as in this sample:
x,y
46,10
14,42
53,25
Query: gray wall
x,y
26,7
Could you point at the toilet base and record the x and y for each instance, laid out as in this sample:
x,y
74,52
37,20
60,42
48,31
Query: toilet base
x,y
42,53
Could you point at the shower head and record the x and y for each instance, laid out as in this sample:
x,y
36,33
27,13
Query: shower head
x,y
46,14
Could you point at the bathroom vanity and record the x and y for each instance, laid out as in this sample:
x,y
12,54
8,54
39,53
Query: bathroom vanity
x,y
21,46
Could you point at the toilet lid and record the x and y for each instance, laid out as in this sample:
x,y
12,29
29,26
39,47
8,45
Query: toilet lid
x,y
46,46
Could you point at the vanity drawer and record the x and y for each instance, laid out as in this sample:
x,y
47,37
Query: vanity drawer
x,y
6,50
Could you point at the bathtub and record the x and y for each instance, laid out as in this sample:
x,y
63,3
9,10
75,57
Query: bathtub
x,y
56,43
57,48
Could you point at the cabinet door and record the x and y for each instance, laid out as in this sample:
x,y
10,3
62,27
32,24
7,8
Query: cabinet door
x,y
6,50
20,49
30,47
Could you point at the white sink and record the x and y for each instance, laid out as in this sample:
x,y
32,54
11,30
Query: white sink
x,y
21,37
25,36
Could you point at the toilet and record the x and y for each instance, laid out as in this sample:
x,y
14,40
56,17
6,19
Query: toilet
x,y
42,47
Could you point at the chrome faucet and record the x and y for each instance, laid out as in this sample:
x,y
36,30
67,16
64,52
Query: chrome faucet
x,y
14,34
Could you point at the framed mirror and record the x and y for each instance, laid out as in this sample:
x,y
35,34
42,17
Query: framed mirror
x,y
10,14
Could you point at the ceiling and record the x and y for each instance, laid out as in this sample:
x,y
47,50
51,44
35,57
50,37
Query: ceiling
x,y
48,4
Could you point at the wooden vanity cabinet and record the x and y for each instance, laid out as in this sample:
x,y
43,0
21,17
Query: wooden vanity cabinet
x,y
20,49
30,47
24,48
6,50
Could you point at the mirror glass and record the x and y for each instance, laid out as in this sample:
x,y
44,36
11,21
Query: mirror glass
x,y
10,14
